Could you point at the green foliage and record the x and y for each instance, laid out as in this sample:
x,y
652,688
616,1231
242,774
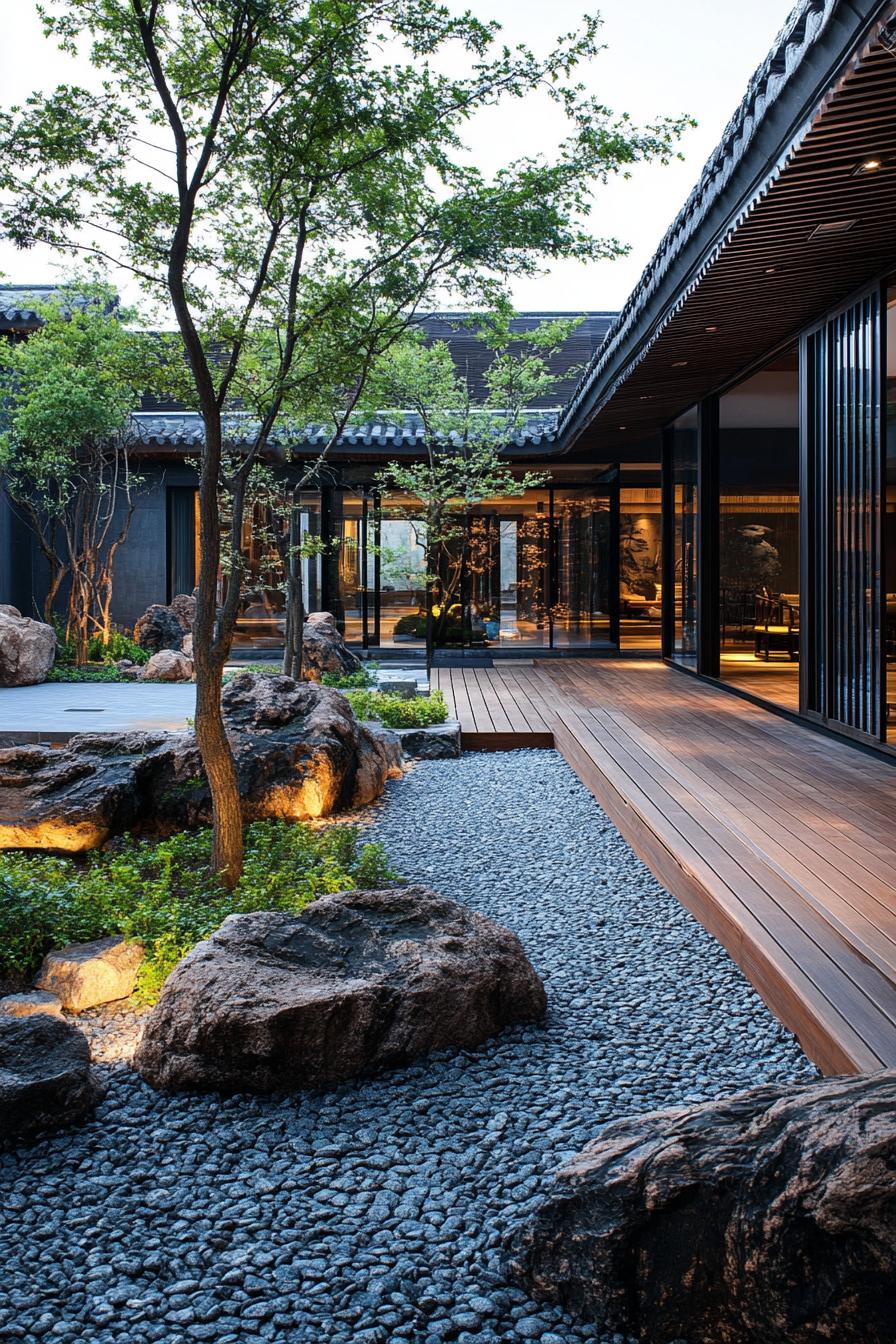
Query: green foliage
x,y
162,893
261,669
68,672
120,646
394,711
352,681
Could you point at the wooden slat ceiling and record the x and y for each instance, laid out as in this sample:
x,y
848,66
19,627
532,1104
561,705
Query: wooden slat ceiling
x,y
754,307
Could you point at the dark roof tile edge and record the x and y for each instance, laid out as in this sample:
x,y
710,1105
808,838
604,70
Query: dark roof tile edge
x,y
804,25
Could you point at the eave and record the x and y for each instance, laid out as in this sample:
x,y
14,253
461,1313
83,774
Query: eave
x,y
754,275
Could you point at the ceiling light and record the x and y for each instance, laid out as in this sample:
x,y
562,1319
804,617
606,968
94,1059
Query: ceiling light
x,y
867,167
832,229
679,364
710,328
770,270
623,426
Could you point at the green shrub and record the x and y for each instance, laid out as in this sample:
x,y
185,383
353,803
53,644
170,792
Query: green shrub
x,y
93,672
162,894
351,681
395,711
120,646
263,669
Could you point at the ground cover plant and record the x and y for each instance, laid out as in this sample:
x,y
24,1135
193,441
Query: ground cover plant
x,y
394,711
360,680
262,670
162,893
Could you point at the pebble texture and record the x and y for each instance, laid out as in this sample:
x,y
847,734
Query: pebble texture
x,y
377,1213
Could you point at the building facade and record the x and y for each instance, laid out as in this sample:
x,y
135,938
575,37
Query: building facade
x,y
721,481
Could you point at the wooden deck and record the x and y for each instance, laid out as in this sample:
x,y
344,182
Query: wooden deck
x,y
781,841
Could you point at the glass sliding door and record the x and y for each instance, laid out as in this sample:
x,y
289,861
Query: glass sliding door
x,y
684,538
583,525
183,539
640,568
844,506
350,552
889,517
759,532
399,578
504,592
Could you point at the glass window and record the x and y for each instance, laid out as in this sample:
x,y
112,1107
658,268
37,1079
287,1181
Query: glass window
x,y
401,563
759,532
890,513
268,538
684,543
581,612
640,568
505,593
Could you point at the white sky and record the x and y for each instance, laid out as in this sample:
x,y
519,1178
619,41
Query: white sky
x,y
664,57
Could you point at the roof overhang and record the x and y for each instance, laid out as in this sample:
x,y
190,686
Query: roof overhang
x,y
749,275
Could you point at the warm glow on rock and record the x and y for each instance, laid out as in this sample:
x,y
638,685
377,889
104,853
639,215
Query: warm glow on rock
x,y
53,833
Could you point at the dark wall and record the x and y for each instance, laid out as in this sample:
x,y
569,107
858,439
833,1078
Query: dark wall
x,y
140,575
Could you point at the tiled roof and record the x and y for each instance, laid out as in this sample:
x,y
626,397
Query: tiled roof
x,y
183,429
806,22
17,304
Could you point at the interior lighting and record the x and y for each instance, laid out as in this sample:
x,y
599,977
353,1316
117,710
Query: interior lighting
x,y
832,228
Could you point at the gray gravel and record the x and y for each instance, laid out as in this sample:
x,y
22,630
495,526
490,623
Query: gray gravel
x,y
376,1213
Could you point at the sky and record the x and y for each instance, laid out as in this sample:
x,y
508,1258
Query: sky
x,y
663,57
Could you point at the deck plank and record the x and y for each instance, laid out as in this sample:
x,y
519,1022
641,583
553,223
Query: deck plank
x,y
779,839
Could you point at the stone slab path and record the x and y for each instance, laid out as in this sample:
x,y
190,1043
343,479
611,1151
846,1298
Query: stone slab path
x,y
54,711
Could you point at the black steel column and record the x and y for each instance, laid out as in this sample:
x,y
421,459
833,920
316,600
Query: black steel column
x,y
708,538
667,534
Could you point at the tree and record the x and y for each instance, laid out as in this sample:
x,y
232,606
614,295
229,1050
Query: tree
x,y
289,174
65,451
463,444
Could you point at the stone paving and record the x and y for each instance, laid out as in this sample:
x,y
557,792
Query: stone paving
x,y
55,710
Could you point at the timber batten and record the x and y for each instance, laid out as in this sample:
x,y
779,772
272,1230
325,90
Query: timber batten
x,y
781,841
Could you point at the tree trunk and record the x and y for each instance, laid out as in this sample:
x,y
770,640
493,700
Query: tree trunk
x,y
57,574
220,770
295,603
210,650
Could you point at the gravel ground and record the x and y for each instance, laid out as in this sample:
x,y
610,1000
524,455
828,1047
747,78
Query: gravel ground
x,y
376,1212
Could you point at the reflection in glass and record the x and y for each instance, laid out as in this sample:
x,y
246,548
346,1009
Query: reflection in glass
x,y
684,540
890,515
640,568
759,537
581,613
347,524
261,622
505,584
402,575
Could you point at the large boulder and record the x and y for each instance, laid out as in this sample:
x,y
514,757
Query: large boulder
x,y
85,975
361,980
324,650
159,628
300,754
31,1001
767,1216
168,665
74,797
27,648
184,608
45,1075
